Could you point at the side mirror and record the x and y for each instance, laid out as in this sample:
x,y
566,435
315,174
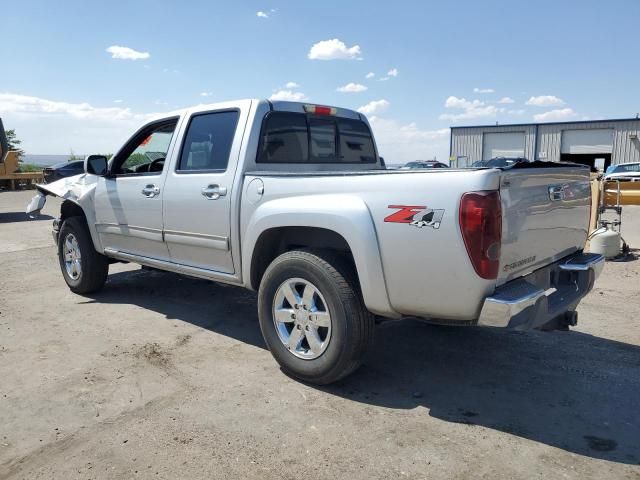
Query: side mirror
x,y
96,165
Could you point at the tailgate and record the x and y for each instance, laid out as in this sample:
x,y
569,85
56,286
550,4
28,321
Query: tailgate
x,y
545,216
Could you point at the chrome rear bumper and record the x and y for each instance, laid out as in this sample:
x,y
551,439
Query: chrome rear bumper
x,y
543,295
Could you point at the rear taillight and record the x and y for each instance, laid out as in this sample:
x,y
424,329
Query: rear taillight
x,y
481,226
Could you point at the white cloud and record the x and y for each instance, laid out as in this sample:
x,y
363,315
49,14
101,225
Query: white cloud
x,y
262,14
384,79
292,85
518,112
53,127
470,109
455,102
555,115
374,107
206,94
399,143
117,101
483,90
370,75
25,104
506,100
545,101
352,88
126,53
334,49
393,72
161,102
288,95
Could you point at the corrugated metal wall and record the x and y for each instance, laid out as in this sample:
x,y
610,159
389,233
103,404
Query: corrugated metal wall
x,y
467,141
626,149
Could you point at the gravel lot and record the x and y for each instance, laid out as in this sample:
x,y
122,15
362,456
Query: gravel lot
x,y
161,376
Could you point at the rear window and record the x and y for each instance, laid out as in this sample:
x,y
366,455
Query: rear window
x,y
322,136
356,144
298,138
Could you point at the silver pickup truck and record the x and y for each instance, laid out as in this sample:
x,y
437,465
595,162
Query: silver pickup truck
x,y
293,200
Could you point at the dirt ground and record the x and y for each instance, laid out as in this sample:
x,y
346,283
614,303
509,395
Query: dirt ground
x,y
161,376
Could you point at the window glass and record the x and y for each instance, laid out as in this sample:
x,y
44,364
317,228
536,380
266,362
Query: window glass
x,y
322,134
150,153
356,144
208,141
284,139
633,167
296,138
73,166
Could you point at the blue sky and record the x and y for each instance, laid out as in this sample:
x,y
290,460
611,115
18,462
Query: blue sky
x,y
435,64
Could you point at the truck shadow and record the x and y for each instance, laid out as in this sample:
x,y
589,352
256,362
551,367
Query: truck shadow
x,y
569,390
15,217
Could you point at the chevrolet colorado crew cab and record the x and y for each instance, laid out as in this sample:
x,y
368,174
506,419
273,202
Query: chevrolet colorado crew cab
x,y
293,200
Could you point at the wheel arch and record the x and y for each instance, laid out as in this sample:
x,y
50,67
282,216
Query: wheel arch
x,y
340,223
70,208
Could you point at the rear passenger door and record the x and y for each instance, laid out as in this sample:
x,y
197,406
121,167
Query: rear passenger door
x,y
199,188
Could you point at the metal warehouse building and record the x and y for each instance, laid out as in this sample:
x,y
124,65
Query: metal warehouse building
x,y
615,141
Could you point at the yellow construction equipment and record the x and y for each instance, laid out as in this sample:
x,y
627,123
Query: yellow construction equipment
x,y
621,192
9,164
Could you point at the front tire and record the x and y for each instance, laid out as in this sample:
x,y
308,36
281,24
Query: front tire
x,y
312,316
83,268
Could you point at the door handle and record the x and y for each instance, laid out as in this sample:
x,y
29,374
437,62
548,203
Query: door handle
x,y
150,190
214,192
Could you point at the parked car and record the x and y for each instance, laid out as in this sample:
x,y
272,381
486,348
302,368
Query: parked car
x,y
424,164
63,170
499,162
289,199
623,170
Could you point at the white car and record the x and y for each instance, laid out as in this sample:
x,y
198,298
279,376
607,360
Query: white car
x,y
623,170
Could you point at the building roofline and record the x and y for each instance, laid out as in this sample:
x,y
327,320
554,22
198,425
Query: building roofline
x,y
531,124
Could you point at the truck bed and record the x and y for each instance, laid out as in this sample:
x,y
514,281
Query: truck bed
x,y
425,263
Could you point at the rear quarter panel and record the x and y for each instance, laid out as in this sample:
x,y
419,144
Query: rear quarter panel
x,y
422,270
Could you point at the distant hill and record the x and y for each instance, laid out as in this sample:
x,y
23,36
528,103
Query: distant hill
x,y
46,160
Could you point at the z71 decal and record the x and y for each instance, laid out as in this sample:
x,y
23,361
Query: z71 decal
x,y
416,215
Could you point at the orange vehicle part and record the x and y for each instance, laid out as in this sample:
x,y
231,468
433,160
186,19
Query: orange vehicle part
x,y
629,192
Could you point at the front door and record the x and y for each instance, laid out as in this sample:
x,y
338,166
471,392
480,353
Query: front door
x,y
129,201
198,190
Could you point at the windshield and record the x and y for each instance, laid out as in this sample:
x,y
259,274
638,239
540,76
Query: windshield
x,y
631,167
69,165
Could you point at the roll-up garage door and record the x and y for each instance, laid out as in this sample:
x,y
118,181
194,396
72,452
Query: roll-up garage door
x,y
504,144
594,140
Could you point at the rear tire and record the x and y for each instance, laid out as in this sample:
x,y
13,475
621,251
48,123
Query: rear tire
x,y
83,268
334,328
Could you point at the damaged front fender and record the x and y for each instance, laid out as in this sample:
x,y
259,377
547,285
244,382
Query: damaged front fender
x,y
76,189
